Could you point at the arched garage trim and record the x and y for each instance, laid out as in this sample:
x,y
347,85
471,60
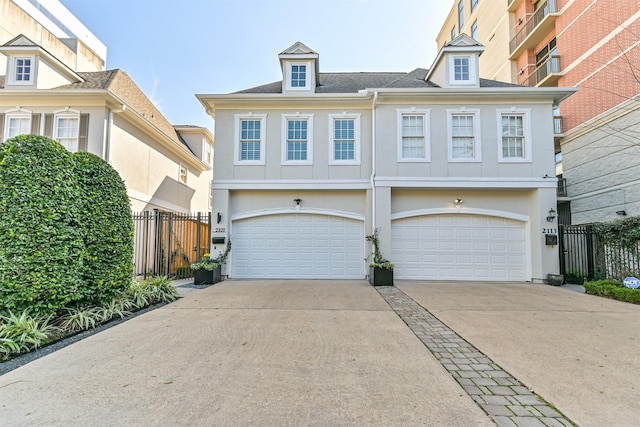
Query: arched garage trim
x,y
467,211
479,212
303,211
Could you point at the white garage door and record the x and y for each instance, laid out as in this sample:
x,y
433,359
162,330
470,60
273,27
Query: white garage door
x,y
459,247
297,246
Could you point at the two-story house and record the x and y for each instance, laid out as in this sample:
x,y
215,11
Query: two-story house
x,y
456,172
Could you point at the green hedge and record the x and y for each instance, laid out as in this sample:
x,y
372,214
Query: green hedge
x,y
42,247
613,289
108,226
66,230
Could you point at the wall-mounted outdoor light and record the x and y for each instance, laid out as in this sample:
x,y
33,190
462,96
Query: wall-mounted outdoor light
x,y
552,215
458,201
219,218
622,213
297,201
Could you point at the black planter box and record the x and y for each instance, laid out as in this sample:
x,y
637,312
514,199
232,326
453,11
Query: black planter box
x,y
380,276
206,277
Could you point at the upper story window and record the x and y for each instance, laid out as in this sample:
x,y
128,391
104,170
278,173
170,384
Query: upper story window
x,y
250,137
298,76
17,123
453,33
66,130
515,140
297,139
413,142
474,4
22,70
345,143
183,173
460,14
464,136
474,30
461,68
208,153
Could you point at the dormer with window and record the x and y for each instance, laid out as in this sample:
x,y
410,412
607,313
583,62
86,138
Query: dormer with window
x,y
29,66
300,72
456,65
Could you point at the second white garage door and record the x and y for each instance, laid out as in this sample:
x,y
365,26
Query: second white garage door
x,y
459,247
298,246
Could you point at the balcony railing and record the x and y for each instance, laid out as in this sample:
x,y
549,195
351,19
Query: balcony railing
x,y
562,187
539,15
558,128
550,67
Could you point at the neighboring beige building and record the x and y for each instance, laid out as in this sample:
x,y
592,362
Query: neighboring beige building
x,y
455,171
58,87
589,44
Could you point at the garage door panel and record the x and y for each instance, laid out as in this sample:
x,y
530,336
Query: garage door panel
x,y
458,247
298,246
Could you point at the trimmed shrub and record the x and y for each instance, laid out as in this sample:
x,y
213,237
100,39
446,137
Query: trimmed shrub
x,y
42,250
613,289
108,225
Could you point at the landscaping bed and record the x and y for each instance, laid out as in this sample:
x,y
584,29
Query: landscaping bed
x,y
613,289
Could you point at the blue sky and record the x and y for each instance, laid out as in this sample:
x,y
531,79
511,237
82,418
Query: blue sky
x,y
174,49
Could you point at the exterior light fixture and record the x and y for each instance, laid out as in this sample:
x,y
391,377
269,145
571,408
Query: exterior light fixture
x,y
552,215
219,218
457,201
622,213
297,201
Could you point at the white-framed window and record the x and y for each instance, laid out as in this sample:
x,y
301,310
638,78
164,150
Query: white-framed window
x,y
183,173
413,136
461,14
250,131
297,139
345,139
298,76
474,4
66,129
514,144
22,70
207,149
464,136
17,122
462,70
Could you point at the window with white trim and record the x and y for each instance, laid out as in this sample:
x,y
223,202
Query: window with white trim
x,y
461,68
474,4
345,139
208,153
183,173
413,131
66,130
17,123
298,77
297,139
464,136
515,139
474,30
250,137
453,32
460,14
22,70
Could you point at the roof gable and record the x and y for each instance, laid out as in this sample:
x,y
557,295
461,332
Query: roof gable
x,y
463,40
298,48
20,40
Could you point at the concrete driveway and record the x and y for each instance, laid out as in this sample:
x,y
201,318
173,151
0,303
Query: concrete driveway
x,y
246,353
579,352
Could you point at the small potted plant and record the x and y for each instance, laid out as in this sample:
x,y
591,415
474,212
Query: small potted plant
x,y
380,269
206,271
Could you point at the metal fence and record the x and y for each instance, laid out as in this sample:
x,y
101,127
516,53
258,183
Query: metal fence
x,y
167,243
584,254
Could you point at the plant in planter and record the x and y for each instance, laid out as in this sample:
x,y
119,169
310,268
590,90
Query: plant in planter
x,y
380,269
208,271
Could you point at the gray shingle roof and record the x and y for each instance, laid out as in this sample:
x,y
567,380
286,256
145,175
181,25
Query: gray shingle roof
x,y
354,82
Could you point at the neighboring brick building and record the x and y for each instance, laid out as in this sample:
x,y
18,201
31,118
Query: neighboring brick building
x,y
590,44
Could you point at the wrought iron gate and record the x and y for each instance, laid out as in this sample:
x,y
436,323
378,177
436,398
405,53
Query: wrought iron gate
x,y
167,243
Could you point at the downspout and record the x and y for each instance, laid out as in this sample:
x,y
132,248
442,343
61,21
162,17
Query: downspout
x,y
373,161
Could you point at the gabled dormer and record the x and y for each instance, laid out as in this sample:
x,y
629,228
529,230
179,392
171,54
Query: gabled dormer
x,y
457,64
29,66
300,69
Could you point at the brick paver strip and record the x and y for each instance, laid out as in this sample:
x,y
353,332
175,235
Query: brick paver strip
x,y
506,400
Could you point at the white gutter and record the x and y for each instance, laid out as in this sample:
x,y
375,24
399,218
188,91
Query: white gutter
x,y
373,161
